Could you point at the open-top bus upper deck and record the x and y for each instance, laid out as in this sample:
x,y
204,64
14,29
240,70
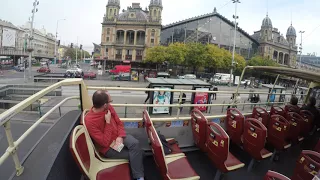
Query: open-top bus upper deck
x,y
50,158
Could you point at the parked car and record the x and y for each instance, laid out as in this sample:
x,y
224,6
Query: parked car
x,y
190,76
90,75
163,75
44,70
74,74
19,68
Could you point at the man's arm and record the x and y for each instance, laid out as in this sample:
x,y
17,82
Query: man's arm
x,y
121,131
103,138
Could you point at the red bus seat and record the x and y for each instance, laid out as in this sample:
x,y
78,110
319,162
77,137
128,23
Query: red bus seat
x,y
261,115
92,167
291,108
171,167
235,123
199,128
278,132
254,139
296,124
277,110
271,175
317,148
307,123
175,149
307,165
218,150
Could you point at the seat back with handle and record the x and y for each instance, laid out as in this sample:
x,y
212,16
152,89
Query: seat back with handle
x,y
217,145
307,165
156,145
235,123
277,110
308,119
254,137
296,122
278,131
261,115
199,128
291,108
80,149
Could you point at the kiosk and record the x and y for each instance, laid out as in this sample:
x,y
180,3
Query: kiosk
x,y
165,97
277,89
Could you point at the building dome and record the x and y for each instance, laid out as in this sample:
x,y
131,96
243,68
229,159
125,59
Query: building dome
x,y
267,22
114,2
291,31
133,15
156,3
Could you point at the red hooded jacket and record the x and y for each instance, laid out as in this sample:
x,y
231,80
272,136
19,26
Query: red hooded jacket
x,y
102,133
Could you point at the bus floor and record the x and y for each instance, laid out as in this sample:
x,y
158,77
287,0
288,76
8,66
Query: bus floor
x,y
206,170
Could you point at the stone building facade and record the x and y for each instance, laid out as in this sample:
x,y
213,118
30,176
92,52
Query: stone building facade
x,y
275,46
126,35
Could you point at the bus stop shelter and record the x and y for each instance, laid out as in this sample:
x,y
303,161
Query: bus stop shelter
x,y
276,89
163,97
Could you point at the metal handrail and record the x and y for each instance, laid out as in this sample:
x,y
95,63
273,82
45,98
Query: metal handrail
x,y
179,90
13,147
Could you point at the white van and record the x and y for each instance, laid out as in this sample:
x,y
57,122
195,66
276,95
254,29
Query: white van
x,y
221,78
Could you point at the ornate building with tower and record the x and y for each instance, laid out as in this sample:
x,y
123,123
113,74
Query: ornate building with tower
x,y
275,46
126,34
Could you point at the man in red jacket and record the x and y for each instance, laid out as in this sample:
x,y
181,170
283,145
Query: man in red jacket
x,y
106,129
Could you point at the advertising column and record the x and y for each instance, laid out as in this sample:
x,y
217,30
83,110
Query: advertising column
x,y
201,98
161,97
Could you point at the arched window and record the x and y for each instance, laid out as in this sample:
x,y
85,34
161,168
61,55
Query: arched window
x,y
159,13
110,12
154,13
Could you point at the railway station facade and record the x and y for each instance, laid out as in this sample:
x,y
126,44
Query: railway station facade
x,y
210,28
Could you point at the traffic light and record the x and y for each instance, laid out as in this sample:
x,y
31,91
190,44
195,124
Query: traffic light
x,y
58,42
71,46
80,46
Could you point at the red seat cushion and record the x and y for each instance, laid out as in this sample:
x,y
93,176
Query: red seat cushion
x,y
264,152
174,147
232,161
180,169
118,172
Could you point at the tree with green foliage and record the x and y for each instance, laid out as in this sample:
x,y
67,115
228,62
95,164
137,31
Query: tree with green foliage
x,y
156,54
214,57
195,56
240,63
261,61
176,53
71,53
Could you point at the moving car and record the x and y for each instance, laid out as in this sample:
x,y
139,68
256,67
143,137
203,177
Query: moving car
x,y
75,69
44,70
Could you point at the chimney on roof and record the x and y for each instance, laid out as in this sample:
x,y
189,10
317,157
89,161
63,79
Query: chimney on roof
x,y
215,10
136,6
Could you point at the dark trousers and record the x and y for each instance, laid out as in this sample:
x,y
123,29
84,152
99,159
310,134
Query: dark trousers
x,y
133,153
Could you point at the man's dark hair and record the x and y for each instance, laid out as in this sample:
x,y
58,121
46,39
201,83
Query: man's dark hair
x,y
99,98
294,100
312,101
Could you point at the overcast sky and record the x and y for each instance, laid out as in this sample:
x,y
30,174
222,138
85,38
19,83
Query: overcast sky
x,y
84,17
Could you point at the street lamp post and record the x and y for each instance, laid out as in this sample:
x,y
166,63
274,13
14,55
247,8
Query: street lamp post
x,y
35,3
234,39
301,32
55,44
